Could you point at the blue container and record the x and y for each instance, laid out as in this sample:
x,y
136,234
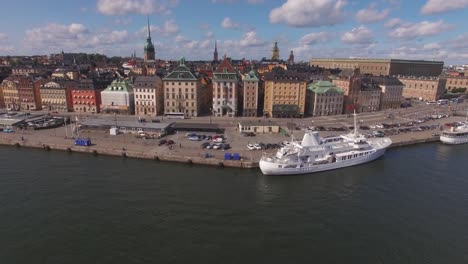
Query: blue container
x,y
83,142
236,156
227,156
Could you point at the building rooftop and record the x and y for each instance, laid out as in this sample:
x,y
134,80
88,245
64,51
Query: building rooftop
x,y
119,85
146,81
259,122
108,123
279,73
376,60
322,87
182,72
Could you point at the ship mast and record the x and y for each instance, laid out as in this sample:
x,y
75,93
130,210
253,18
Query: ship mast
x,y
355,124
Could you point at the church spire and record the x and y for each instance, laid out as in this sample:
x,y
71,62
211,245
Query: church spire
x,y
215,53
149,29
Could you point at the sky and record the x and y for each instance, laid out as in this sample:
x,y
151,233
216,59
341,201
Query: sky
x,y
404,29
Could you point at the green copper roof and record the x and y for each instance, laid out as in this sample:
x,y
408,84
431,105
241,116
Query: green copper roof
x,y
181,73
119,85
251,76
322,87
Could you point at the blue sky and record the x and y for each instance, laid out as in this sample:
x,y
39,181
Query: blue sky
x,y
417,29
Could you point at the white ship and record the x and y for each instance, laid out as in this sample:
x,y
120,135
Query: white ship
x,y
456,134
314,154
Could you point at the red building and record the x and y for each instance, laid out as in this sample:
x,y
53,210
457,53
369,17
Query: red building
x,y
29,93
86,95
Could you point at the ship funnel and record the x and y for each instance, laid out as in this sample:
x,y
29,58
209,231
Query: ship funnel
x,y
311,139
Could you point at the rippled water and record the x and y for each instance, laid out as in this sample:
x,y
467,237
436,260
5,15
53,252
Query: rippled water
x,y
409,207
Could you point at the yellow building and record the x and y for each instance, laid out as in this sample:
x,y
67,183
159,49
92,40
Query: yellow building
x,y
9,88
284,93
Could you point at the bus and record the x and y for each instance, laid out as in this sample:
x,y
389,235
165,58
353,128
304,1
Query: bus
x,y
179,115
442,101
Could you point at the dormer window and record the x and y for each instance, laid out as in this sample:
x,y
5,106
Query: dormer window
x,y
224,69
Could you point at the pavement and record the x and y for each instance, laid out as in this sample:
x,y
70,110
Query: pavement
x,y
185,147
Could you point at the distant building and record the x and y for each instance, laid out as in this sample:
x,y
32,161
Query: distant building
x,y
29,93
291,58
284,93
369,97
457,84
27,70
9,88
382,66
225,89
149,53
183,92
324,98
424,88
87,95
275,52
392,91
258,127
56,95
149,96
118,98
251,92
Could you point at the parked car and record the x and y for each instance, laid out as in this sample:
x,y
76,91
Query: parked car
x,y
225,146
8,130
250,147
378,133
218,140
205,144
257,146
217,146
194,138
162,142
170,142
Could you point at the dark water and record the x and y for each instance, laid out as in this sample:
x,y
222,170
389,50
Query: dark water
x,y
410,207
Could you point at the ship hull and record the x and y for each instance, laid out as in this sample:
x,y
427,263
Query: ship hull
x,y
453,141
271,168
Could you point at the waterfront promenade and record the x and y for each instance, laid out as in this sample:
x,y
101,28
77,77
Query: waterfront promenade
x,y
186,151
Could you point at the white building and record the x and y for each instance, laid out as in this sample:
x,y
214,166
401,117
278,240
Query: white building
x,y
118,98
225,90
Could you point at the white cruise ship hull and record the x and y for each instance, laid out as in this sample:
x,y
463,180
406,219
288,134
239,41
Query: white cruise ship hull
x,y
270,168
454,140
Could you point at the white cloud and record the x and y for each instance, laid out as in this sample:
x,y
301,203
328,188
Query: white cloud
x,y
314,38
110,38
73,37
420,29
229,23
180,38
306,13
123,21
371,14
3,37
169,28
121,7
360,35
431,46
394,22
250,39
253,2
56,33
209,34
440,6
